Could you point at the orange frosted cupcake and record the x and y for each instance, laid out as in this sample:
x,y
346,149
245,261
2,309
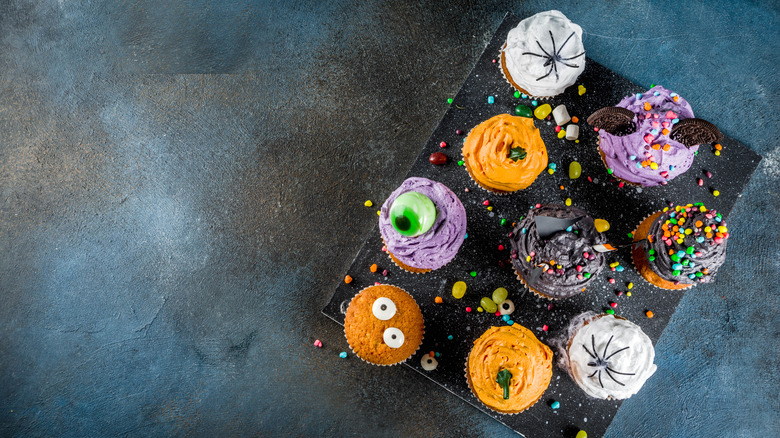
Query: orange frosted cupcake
x,y
508,369
504,154
384,325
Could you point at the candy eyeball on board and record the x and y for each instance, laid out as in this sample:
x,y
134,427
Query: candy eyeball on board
x,y
506,307
428,363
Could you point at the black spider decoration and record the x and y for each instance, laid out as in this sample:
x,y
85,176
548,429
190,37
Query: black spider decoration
x,y
555,57
601,361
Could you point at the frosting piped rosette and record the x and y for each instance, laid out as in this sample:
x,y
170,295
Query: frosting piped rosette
x,y
680,246
609,357
649,155
439,244
562,262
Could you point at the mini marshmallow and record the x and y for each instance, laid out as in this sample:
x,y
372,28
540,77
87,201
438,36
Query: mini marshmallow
x,y
572,132
561,115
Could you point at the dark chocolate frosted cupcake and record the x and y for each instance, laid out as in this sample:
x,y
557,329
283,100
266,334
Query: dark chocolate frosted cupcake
x,y
680,246
552,250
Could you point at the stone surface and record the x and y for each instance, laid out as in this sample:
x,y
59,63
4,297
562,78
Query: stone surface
x,y
182,187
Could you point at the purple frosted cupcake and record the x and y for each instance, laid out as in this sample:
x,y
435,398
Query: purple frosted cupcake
x,y
650,138
423,225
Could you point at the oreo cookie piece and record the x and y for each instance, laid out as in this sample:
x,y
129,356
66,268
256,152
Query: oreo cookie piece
x,y
691,132
615,120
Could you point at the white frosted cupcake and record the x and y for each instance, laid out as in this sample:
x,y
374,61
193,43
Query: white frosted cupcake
x,y
544,54
608,357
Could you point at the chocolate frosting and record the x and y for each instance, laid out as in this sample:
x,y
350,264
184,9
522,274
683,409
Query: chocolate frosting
x,y
566,248
698,255
436,247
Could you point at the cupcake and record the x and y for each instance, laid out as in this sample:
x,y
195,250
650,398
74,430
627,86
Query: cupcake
x,y
679,247
504,153
508,369
552,250
608,357
423,225
649,139
543,55
384,325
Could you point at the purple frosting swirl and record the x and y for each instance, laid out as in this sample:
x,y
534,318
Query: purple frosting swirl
x,y
566,248
436,247
625,154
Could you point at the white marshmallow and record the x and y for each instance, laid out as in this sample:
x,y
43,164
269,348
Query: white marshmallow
x,y
572,132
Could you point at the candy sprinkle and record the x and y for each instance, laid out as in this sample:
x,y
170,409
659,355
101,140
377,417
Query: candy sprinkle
x,y
610,311
555,405
318,343
368,203
443,144
545,327
473,273
468,309
373,267
649,314
438,300
348,279
343,355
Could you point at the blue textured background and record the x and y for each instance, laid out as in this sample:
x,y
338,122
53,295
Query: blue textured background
x,y
181,188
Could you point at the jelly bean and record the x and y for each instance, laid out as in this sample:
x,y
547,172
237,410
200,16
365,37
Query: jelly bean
x,y
568,202
437,158
562,133
458,289
580,90
582,434
517,94
575,170
488,305
543,111
499,295
523,111
601,225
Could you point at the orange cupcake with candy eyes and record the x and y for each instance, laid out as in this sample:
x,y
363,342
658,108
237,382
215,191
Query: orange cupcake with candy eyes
x,y
384,325
504,154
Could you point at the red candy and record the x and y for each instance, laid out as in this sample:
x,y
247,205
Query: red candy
x,y
437,158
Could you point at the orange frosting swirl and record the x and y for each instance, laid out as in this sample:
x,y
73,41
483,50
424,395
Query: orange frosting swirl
x,y
514,348
487,148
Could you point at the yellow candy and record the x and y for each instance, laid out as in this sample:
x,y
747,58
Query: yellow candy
x,y
630,286
715,193
628,294
654,166
568,202
562,133
543,111
490,208
550,171
378,212
581,90
459,289
688,231
368,203
601,225
717,153
723,229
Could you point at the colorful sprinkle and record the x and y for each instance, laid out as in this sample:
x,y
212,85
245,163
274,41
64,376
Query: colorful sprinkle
x,y
318,343
491,100
555,405
368,204
438,300
343,355
373,267
348,279
649,314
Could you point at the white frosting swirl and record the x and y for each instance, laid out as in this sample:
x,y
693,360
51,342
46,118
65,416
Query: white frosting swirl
x,y
530,45
623,357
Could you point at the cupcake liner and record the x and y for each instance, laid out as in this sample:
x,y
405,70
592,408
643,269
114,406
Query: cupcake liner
x,y
485,188
535,292
403,265
507,76
385,364
642,264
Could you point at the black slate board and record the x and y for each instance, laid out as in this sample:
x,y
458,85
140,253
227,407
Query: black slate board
x,y
623,207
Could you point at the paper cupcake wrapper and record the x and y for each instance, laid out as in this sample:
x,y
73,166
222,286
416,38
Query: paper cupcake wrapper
x,y
404,266
385,364
643,264
505,74
541,295
485,188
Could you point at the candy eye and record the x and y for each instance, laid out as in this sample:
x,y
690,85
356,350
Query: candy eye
x,y
383,308
507,307
428,363
412,214
393,337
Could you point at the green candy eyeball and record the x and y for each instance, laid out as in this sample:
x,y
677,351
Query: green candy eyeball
x,y
412,214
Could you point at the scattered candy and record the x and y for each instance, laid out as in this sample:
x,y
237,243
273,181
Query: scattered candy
x,y
610,311
473,273
582,434
318,343
572,132
428,363
348,279
581,90
499,295
561,115
488,305
555,405
468,309
437,158
373,267
368,203
449,337
449,100
562,133
611,281
575,119
715,193
630,285
575,170
542,111
438,300
614,305
700,182
385,272
460,162
343,355
545,327
523,111
568,202
649,314
458,289
443,144
601,225
517,94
